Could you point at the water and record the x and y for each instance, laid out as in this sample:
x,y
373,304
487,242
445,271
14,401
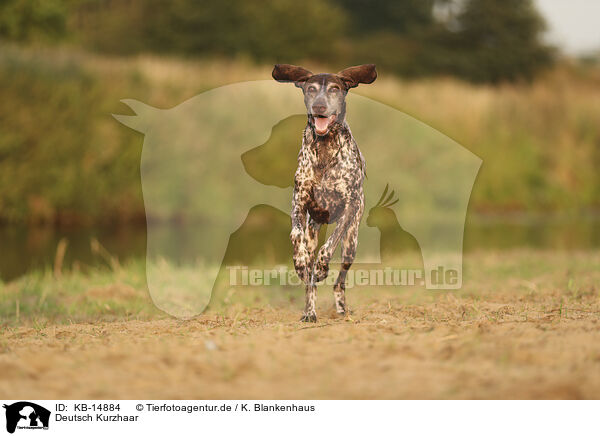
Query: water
x,y
23,249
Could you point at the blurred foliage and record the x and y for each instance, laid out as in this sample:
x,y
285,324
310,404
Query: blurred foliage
x,y
64,159
60,156
400,17
498,41
480,40
279,30
33,20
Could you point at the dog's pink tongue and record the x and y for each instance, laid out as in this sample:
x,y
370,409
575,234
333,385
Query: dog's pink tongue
x,y
321,124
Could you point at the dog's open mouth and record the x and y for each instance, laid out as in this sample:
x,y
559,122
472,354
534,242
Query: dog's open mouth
x,y
322,123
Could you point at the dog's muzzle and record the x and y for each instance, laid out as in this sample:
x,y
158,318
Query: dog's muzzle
x,y
323,123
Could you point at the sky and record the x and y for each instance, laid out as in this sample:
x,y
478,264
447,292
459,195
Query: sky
x,y
574,25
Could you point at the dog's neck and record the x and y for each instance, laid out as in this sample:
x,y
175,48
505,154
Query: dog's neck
x,y
324,148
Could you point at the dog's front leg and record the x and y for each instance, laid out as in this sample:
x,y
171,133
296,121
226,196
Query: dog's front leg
x,y
311,240
301,255
310,308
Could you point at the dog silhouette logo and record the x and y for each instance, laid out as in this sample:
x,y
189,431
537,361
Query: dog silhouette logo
x,y
26,415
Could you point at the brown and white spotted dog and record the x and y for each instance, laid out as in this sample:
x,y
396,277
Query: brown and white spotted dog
x,y
328,185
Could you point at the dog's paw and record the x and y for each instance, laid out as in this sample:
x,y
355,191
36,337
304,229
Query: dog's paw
x,y
322,266
309,317
341,315
341,309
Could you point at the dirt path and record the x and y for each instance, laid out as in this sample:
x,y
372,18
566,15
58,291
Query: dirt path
x,y
516,347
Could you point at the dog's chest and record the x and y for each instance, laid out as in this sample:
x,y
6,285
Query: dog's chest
x,y
335,176
336,172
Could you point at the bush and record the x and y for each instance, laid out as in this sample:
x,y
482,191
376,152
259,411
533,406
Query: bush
x,y
32,20
285,29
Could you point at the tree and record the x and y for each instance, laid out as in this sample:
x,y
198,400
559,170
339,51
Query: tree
x,y
28,20
282,30
499,41
388,16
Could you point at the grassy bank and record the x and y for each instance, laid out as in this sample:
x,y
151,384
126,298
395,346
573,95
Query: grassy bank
x,y
65,159
557,280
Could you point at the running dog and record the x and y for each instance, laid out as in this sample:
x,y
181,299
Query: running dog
x,y
328,184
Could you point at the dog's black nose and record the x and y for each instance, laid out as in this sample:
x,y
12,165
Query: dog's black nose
x,y
318,109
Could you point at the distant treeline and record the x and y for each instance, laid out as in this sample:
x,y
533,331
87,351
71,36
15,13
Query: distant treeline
x,y
479,40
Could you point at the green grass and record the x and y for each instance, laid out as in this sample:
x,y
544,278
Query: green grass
x,y
566,279
75,296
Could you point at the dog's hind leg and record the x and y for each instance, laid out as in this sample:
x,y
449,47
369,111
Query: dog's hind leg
x,y
348,224
311,238
349,243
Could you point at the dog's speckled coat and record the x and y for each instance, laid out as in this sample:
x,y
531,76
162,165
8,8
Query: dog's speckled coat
x,y
328,184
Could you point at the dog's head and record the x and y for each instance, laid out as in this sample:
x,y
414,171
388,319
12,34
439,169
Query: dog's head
x,y
325,94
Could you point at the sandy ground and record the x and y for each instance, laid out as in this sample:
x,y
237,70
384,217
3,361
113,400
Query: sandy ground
x,y
517,345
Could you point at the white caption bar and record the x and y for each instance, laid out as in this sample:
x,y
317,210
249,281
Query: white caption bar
x,y
300,417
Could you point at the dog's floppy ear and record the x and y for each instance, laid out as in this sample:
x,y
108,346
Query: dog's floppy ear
x,y
291,73
352,76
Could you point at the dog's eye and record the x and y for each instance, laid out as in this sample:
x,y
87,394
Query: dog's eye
x,y
311,89
334,89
